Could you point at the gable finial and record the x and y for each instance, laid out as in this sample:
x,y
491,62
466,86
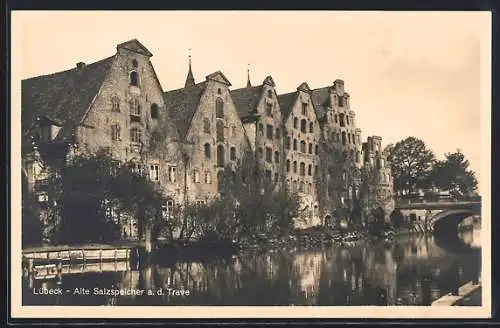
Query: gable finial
x,y
248,76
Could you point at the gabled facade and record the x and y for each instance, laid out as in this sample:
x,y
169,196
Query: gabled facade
x,y
115,104
302,137
211,130
259,110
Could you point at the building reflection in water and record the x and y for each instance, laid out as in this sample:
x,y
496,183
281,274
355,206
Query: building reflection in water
x,y
413,271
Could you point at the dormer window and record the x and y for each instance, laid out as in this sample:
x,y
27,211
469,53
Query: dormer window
x,y
134,79
154,111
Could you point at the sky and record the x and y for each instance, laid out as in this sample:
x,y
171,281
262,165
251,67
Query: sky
x,y
416,74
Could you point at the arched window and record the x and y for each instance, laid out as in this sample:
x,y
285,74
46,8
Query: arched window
x,y
206,125
219,91
303,146
316,150
278,133
134,63
301,186
379,163
302,168
337,136
347,119
310,148
358,156
303,126
288,142
309,169
269,93
134,78
261,129
295,123
349,138
342,122
344,137
208,177
219,126
276,157
309,187
294,186
288,165
196,176
208,151
232,153
294,166
336,118
154,111
219,108
294,144
311,127
220,156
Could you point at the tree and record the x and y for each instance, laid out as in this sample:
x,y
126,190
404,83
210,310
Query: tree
x,y
411,163
31,225
90,187
453,175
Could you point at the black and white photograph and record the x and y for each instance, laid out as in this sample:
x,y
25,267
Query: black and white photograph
x,y
251,164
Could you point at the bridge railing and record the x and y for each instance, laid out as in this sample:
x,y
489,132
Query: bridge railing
x,y
435,199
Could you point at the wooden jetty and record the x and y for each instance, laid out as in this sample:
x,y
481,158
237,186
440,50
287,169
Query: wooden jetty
x,y
54,259
463,292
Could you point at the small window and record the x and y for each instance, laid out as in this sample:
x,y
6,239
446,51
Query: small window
x,y
304,109
115,132
172,174
220,156
288,165
269,109
208,177
196,176
135,107
269,155
342,121
115,104
349,138
232,153
301,186
154,172
294,144
134,63
336,118
278,133
288,142
295,167
344,138
311,127
261,129
206,125
341,101
309,170
316,149
276,157
310,148
269,93
134,79
302,168
219,91
269,130
208,152
295,123
303,126
154,111
303,146
219,126
135,135
219,108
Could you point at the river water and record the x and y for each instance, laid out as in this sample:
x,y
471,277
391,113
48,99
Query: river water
x,y
411,271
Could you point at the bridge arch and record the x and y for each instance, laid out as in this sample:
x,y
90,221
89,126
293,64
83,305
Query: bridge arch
x,y
450,219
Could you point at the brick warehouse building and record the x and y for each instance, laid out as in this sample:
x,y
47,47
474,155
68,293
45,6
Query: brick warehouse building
x,y
181,139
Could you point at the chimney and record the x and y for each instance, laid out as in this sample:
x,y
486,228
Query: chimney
x,y
80,65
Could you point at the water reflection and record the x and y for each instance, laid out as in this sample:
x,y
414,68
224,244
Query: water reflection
x,y
413,271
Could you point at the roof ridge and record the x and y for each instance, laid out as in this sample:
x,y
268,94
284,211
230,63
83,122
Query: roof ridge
x,y
68,70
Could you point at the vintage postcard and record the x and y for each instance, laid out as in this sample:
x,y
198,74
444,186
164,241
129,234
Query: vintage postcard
x,y
251,164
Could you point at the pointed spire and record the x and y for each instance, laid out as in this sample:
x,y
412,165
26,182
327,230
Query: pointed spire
x,y
189,78
248,76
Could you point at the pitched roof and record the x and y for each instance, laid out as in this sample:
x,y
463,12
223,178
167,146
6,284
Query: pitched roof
x,y
62,97
182,104
321,100
135,46
286,102
246,100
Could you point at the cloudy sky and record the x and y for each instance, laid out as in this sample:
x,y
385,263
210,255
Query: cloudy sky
x,y
408,74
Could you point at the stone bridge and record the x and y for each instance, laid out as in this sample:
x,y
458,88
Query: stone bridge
x,y
441,215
